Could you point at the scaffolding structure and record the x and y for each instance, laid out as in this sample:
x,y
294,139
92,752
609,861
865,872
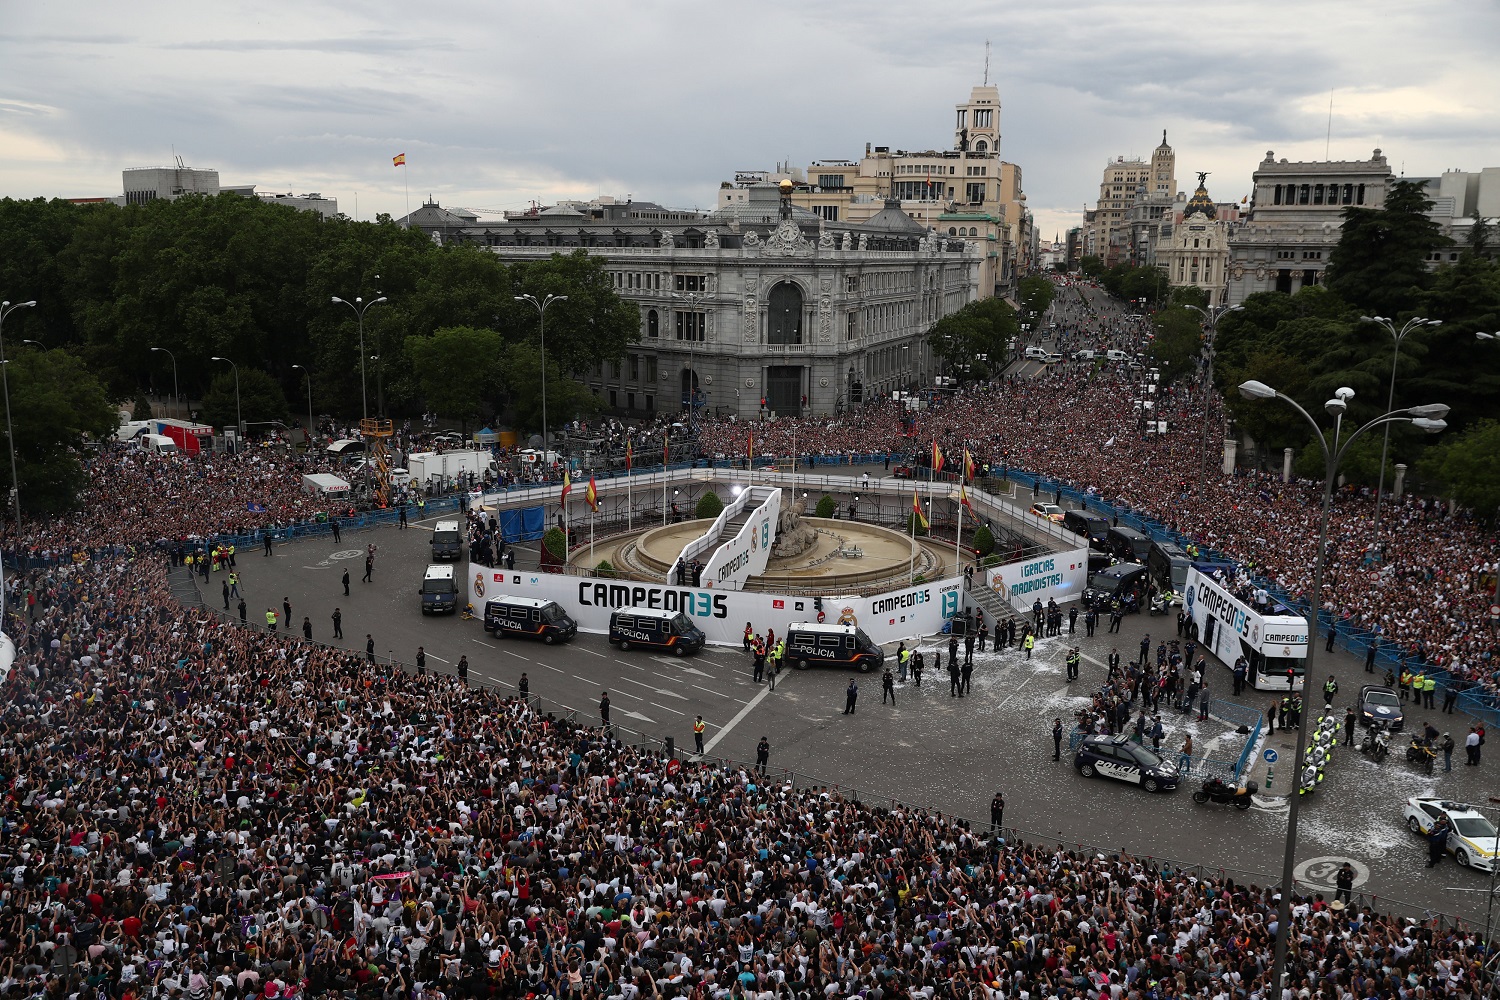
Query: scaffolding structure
x,y
377,433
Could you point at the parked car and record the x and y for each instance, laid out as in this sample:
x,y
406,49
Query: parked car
x,y
1050,511
1378,703
1119,758
1473,840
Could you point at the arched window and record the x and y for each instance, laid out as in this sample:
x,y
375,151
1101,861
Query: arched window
x,y
952,231
784,314
653,324
981,146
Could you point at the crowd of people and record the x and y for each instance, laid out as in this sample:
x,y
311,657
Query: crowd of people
x,y
194,809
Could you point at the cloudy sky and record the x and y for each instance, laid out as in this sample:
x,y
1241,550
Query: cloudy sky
x,y
498,103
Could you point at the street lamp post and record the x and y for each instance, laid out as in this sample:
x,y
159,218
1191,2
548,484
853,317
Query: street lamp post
x,y
238,420
176,399
1211,317
541,312
309,407
1427,418
360,306
1411,326
6,308
379,385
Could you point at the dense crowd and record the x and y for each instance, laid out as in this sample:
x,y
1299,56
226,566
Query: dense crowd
x,y
198,810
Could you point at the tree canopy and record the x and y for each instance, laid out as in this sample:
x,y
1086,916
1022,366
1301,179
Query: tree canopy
x,y
975,340
56,405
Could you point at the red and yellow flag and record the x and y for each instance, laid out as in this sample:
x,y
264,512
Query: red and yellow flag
x,y
963,497
937,458
968,465
750,448
567,488
629,454
399,160
916,508
666,445
592,495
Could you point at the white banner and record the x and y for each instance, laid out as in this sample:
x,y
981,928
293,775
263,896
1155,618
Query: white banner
x,y
722,614
1057,576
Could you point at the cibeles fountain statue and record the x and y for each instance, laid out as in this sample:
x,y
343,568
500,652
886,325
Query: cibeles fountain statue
x,y
792,536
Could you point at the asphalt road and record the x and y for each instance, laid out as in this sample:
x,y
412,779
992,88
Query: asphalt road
x,y
930,749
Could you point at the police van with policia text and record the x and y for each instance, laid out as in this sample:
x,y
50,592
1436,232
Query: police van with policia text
x,y
528,618
653,628
844,646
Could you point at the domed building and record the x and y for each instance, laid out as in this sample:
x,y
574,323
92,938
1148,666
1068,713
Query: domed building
x,y
1195,251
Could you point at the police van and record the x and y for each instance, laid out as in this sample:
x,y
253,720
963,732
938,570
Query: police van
x,y
447,541
844,646
652,628
528,618
439,591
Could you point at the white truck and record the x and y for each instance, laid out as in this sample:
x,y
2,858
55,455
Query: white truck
x,y
426,466
324,484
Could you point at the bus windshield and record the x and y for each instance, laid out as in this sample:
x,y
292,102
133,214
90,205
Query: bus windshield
x,y
1277,666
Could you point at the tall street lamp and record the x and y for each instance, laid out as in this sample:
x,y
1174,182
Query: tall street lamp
x,y
304,371
1427,418
541,312
1411,326
1211,317
360,306
238,421
379,385
6,308
176,400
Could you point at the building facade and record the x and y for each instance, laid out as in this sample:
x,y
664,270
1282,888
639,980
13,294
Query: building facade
x,y
966,192
1133,197
1295,218
1194,249
758,308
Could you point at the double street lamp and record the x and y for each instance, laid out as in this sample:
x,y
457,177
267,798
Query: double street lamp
x,y
238,420
541,311
1427,418
360,307
6,308
1410,326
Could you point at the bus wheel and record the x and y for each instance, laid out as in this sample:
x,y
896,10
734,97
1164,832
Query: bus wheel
x,y
801,664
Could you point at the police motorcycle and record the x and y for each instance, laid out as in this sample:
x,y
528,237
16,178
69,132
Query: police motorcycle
x,y
1220,792
1377,741
1422,753
1162,601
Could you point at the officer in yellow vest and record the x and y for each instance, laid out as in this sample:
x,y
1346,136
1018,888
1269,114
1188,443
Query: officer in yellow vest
x,y
1405,684
270,620
231,556
698,727
749,633
1029,644
1429,686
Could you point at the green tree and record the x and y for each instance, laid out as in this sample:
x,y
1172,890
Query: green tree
x,y
56,404
141,410
457,368
827,507
1179,340
556,544
1188,295
709,506
567,399
260,399
976,339
1036,294
1380,262
1466,466
593,325
1092,266
605,569
984,540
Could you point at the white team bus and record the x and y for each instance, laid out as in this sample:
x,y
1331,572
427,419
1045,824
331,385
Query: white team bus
x,y
1275,646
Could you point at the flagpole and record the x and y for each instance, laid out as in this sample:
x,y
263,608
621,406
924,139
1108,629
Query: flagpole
x,y
591,538
959,539
911,568
664,453
629,507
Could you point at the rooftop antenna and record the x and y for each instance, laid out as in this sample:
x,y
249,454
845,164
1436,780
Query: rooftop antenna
x,y
1328,139
986,62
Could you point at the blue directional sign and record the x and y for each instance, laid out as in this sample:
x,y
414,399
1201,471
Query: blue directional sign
x,y
1270,756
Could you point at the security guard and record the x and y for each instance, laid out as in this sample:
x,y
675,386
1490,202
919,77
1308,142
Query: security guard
x,y
698,727
1029,644
1429,686
1405,684
270,620
1074,656
749,633
1330,688
903,655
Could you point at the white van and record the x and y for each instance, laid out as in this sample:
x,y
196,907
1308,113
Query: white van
x,y
158,444
1117,356
1036,354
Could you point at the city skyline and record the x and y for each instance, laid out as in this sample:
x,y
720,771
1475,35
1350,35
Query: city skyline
x,y
496,106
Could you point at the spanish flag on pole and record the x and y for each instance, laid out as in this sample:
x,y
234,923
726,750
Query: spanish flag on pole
x,y
629,454
968,465
937,458
562,501
750,448
399,160
666,445
592,496
916,508
963,498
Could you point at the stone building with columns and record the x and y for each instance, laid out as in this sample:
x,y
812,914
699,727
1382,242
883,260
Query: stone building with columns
x,y
1194,250
1295,218
759,302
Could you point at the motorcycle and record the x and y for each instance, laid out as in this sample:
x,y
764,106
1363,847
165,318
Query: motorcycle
x,y
1161,604
1421,753
1377,743
1217,791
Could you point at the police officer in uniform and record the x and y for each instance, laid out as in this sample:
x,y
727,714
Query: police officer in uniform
x,y
1330,688
698,728
1074,656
